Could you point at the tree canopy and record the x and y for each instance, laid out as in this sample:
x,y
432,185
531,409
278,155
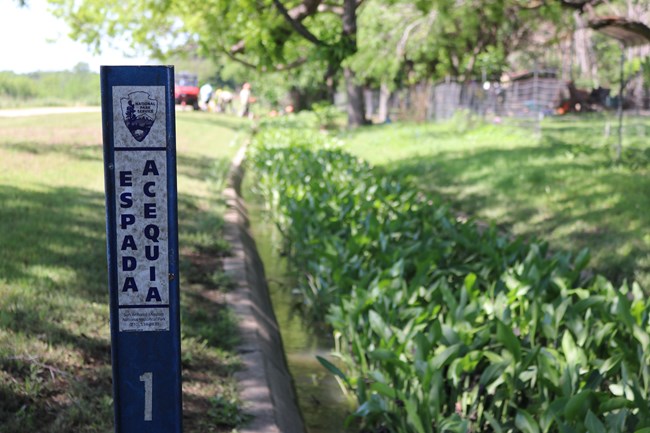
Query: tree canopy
x,y
317,43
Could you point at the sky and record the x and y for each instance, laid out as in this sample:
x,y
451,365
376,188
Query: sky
x,y
34,40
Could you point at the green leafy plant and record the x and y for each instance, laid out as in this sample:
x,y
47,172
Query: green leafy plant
x,y
326,115
226,412
442,324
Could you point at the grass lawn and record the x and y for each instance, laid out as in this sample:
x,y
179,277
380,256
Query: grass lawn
x,y
55,371
562,186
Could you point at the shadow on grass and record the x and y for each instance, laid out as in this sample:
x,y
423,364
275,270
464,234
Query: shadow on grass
x,y
569,193
53,240
77,152
212,170
207,320
53,293
57,402
52,261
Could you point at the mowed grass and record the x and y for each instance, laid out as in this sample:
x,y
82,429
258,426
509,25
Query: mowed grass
x,y
561,186
55,373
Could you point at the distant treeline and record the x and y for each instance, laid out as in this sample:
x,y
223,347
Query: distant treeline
x,y
77,87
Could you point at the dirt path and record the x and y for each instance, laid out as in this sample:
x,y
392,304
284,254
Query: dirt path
x,y
22,112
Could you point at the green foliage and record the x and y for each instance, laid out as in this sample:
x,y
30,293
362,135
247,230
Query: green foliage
x,y
326,114
16,86
207,29
444,324
380,30
78,87
406,42
607,55
394,42
226,411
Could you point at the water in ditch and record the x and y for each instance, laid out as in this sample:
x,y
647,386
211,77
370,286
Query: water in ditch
x,y
322,402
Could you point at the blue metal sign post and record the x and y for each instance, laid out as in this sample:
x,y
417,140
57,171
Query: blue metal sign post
x,y
142,245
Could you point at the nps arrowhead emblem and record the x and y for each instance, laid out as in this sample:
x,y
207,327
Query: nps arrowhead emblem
x,y
139,112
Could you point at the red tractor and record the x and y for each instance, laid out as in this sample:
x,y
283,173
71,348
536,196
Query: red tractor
x,y
186,89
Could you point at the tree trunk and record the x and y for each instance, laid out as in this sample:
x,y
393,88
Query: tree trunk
x,y
354,91
368,101
585,51
384,97
297,99
355,99
330,81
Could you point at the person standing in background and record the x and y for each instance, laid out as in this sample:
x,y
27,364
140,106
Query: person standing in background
x,y
205,93
244,100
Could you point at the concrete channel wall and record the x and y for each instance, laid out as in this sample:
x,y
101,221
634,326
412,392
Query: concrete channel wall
x,y
265,384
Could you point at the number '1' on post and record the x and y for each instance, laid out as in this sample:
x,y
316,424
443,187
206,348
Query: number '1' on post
x,y
142,246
